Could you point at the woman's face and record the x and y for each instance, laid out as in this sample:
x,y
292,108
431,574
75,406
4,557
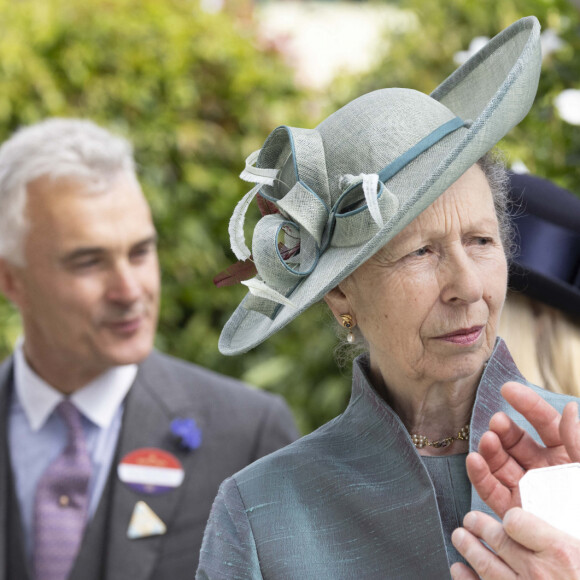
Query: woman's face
x,y
428,303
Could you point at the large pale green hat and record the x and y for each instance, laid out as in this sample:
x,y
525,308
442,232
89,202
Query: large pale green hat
x,y
341,191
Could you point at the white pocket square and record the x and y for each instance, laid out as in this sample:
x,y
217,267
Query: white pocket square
x,y
145,522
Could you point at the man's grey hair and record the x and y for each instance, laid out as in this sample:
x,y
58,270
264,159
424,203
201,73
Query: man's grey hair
x,y
55,148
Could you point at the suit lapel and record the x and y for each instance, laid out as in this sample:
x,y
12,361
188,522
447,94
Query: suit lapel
x,y
13,561
5,379
154,400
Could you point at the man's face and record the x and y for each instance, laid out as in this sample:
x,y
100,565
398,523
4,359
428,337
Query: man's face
x,y
89,292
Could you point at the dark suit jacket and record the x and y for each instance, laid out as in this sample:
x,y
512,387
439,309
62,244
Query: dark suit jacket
x,y
238,424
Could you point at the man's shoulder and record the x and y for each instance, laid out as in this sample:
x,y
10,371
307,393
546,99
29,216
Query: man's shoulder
x,y
6,370
203,380
230,410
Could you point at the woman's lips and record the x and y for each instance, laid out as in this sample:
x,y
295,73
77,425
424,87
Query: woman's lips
x,y
463,336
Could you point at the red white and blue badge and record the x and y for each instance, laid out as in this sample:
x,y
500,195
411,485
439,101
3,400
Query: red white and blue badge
x,y
150,470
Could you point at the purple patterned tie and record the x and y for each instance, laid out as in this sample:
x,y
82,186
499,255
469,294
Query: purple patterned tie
x,y
60,509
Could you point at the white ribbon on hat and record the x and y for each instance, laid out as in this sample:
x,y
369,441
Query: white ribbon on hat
x,y
370,184
236,225
255,174
262,290
260,176
371,187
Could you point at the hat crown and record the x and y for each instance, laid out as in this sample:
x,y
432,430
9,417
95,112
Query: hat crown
x,y
376,129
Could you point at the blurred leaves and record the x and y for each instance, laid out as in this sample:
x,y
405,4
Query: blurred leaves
x,y
423,57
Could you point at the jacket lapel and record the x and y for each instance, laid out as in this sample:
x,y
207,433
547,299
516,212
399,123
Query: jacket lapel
x,y
13,561
5,379
397,482
154,400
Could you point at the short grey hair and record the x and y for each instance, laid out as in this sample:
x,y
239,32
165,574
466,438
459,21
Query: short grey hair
x,y
497,177
54,148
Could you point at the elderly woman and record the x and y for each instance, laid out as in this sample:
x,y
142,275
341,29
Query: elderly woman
x,y
392,211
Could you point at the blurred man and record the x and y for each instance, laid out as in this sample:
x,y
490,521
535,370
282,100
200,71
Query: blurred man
x,y
110,453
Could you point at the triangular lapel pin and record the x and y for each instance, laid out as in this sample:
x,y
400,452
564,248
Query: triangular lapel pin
x,y
145,522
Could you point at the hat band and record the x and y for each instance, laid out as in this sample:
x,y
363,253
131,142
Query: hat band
x,y
422,146
549,249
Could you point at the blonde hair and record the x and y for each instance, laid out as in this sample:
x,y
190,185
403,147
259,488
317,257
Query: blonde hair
x,y
544,342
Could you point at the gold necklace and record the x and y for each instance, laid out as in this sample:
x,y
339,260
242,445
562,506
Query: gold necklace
x,y
420,441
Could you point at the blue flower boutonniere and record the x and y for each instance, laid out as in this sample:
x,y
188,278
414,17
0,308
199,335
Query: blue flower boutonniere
x,y
187,433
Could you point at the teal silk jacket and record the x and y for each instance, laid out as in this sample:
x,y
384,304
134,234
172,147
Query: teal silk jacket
x,y
352,500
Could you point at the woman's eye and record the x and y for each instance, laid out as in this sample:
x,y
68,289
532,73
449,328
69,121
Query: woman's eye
x,y
421,252
481,241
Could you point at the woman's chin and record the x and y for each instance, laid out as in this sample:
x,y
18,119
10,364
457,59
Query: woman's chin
x,y
469,365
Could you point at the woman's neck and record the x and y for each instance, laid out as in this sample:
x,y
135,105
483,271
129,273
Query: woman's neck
x,y
436,410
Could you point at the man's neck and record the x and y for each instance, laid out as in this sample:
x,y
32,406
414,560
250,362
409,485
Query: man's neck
x,y
65,378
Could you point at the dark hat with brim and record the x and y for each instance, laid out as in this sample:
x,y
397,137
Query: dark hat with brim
x,y
546,266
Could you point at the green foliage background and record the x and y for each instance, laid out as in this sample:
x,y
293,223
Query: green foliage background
x,y
422,58
196,94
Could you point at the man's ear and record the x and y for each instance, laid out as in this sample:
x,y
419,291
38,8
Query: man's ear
x,y
9,282
338,302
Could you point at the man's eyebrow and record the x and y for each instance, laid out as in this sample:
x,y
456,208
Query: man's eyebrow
x,y
150,240
80,253
91,251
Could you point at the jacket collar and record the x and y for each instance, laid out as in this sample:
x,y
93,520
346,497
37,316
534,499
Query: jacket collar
x,y
368,414
499,369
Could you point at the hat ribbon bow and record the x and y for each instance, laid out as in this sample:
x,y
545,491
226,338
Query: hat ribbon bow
x,y
296,229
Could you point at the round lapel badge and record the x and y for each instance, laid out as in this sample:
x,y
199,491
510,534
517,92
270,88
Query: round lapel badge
x,y
150,470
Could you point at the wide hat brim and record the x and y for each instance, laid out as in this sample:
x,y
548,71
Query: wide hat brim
x,y
546,265
494,90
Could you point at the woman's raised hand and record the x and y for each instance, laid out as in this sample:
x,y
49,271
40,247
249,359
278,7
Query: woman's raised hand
x,y
522,545
506,451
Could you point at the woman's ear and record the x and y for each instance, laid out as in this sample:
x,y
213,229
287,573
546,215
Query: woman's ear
x,y
338,303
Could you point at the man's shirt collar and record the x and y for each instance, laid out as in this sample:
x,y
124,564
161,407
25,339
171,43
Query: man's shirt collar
x,y
98,401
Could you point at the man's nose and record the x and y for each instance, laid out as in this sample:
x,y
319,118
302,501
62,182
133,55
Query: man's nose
x,y
124,285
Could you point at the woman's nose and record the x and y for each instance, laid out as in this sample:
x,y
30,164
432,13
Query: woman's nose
x,y
462,281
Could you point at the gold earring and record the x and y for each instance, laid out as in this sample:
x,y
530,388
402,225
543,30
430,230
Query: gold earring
x,y
349,324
